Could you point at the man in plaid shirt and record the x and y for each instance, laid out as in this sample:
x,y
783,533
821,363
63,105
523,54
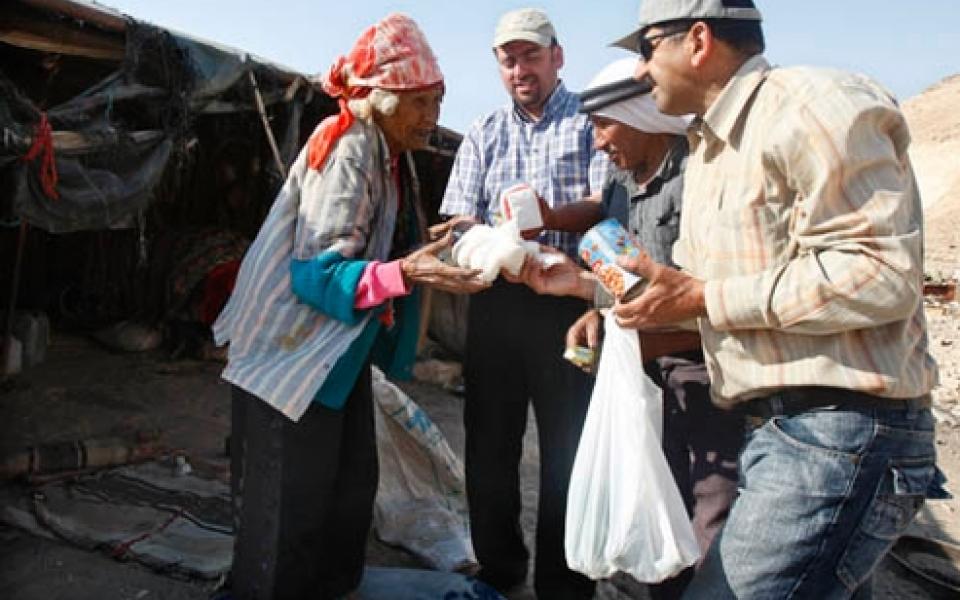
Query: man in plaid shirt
x,y
515,338
801,254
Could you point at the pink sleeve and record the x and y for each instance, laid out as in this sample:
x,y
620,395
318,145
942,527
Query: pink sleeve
x,y
380,282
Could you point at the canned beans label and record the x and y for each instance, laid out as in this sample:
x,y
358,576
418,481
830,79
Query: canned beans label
x,y
600,248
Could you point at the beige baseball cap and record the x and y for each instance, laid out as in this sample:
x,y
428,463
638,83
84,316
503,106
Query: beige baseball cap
x,y
654,12
527,24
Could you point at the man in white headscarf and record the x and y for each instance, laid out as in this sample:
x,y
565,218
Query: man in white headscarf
x,y
700,441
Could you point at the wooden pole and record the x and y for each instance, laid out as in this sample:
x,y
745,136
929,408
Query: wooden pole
x,y
7,344
262,109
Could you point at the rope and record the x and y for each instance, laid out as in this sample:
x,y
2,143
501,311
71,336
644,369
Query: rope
x,y
43,147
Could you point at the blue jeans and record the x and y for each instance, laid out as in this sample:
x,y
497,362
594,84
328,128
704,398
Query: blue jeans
x,y
823,496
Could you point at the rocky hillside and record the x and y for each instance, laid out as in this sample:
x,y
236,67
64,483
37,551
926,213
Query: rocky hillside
x,y
934,118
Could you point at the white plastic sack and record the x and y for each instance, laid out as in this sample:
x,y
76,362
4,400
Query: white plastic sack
x,y
624,512
421,500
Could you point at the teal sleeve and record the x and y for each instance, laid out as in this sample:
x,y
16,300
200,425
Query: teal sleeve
x,y
341,379
328,284
393,350
396,348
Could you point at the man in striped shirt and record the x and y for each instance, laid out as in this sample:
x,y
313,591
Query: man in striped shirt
x,y
800,254
515,338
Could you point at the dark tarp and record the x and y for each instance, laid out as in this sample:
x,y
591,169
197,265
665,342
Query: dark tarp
x,y
114,142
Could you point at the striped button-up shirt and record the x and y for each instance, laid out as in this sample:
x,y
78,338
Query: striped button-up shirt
x,y
802,215
281,349
554,155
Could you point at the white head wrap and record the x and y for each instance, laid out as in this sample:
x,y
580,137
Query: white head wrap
x,y
638,111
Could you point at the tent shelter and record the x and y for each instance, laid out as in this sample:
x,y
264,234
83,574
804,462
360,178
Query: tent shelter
x,y
134,160
136,164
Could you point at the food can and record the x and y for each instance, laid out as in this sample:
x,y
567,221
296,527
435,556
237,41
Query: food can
x,y
600,247
581,356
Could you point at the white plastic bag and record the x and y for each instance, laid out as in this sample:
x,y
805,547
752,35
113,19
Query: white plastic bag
x,y
421,501
624,512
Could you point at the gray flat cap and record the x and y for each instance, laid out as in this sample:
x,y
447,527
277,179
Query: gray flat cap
x,y
653,12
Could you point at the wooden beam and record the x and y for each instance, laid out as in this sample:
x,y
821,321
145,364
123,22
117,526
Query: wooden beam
x,y
51,36
74,141
101,16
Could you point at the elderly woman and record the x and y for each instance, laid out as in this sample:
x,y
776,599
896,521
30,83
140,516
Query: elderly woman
x,y
327,288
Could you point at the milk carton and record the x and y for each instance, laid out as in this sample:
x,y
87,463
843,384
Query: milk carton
x,y
520,202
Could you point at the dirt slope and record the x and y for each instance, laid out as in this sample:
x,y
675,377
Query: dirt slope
x,y
934,119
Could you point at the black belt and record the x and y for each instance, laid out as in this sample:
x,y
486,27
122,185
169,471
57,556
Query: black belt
x,y
792,401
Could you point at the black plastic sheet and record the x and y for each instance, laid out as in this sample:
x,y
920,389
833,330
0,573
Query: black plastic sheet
x,y
115,141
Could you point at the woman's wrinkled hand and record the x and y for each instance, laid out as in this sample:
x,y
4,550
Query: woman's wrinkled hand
x,y
440,230
422,267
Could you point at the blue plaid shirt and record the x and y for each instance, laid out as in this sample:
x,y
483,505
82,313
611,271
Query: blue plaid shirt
x,y
554,155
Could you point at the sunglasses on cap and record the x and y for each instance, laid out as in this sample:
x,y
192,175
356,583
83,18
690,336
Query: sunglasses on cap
x,y
646,45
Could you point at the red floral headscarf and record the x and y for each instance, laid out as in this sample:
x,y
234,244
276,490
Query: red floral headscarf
x,y
391,55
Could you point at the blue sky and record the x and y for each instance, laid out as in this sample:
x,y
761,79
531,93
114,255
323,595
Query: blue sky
x,y
906,45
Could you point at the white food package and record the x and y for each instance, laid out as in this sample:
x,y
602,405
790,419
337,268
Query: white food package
x,y
519,203
491,249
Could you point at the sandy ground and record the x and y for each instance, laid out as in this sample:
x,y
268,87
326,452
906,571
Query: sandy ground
x,y
83,391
